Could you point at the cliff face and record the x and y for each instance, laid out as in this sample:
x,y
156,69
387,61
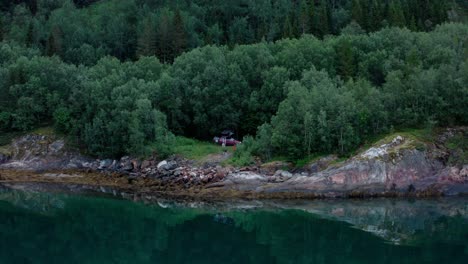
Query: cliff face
x,y
402,165
40,152
398,166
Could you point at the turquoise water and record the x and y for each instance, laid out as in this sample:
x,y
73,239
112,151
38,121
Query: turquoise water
x,y
52,228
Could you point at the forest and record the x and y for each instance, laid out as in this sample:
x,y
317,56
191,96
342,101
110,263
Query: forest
x,y
82,31
294,78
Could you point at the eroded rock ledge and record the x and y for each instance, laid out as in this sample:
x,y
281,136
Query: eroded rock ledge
x,y
400,167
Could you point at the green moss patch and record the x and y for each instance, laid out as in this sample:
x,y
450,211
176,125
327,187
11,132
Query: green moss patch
x,y
458,145
195,149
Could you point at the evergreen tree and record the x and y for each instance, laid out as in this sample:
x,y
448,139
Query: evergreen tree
x,y
396,15
147,40
323,14
30,34
179,34
214,35
288,31
54,43
375,14
345,59
412,24
304,17
312,18
164,39
357,12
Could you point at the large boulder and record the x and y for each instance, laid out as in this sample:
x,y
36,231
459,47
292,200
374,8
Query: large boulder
x,y
104,164
56,147
146,164
167,165
125,164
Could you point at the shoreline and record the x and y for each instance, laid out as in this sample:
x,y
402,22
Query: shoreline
x,y
396,166
95,183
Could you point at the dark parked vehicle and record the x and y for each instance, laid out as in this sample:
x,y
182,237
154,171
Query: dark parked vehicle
x,y
226,141
226,138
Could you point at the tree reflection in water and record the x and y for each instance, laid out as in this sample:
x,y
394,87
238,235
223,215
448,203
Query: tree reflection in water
x,y
50,228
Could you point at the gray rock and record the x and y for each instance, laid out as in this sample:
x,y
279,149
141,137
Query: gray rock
x,y
286,174
321,164
105,164
283,174
146,164
162,163
56,146
126,166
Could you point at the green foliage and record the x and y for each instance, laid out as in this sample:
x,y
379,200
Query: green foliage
x,y
458,145
317,115
299,97
195,149
132,28
62,119
243,156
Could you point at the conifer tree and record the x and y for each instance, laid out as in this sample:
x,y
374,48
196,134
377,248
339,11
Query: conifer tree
x,y
30,34
179,36
357,12
288,28
164,38
412,24
147,40
304,18
323,14
312,22
54,43
345,59
375,15
396,15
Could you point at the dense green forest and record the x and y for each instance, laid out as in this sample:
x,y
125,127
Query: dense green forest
x,y
125,76
82,31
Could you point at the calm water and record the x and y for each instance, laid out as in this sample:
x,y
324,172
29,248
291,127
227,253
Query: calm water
x,y
51,228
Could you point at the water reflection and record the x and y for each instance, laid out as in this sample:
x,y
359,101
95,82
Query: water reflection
x,y
46,228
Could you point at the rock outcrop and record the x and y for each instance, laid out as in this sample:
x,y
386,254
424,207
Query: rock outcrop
x,y
402,166
39,152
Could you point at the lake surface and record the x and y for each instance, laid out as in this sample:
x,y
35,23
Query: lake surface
x,y
58,228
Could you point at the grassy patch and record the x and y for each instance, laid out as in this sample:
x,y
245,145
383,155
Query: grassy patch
x,y
459,146
298,163
245,159
195,149
44,131
414,138
457,142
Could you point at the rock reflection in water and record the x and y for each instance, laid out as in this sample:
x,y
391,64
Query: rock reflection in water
x,y
51,228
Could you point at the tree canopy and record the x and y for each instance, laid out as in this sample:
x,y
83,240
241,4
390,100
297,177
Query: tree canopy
x,y
122,77
82,31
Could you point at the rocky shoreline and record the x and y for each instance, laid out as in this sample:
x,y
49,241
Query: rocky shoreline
x,y
400,167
